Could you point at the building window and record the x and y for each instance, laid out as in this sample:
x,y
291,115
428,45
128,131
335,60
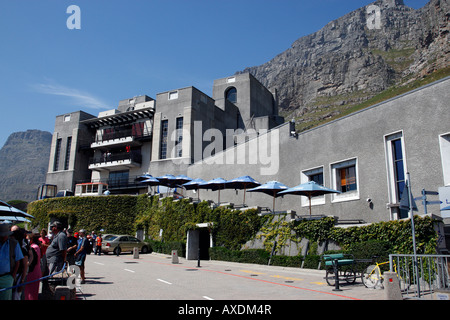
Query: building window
x,y
444,143
231,95
68,147
57,154
67,118
345,180
173,95
396,168
118,179
163,142
315,175
179,138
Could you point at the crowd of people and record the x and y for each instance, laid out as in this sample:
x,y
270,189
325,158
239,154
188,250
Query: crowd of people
x,y
28,257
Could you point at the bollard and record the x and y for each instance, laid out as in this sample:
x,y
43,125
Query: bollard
x,y
136,253
174,256
198,258
392,286
336,276
62,293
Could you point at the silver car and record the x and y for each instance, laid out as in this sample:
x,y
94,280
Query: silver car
x,y
119,243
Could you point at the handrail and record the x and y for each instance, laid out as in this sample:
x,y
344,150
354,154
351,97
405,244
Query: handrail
x,y
42,278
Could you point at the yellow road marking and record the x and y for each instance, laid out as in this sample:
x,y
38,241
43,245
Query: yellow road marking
x,y
252,272
286,278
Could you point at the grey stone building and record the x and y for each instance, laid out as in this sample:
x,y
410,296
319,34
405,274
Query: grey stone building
x,y
237,132
159,136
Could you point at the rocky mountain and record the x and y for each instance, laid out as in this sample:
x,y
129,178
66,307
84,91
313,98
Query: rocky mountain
x,y
24,164
357,56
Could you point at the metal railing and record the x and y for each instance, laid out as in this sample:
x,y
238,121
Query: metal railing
x,y
132,156
421,275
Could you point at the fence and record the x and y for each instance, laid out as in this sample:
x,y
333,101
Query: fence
x,y
421,275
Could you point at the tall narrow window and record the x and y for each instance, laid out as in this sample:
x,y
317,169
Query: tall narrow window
x,y
231,95
396,169
179,138
57,154
67,160
163,144
399,172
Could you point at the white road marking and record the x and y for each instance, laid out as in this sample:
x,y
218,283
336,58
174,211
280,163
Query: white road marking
x,y
129,270
207,298
163,281
102,264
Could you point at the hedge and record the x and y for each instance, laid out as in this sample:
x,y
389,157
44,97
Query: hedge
x,y
230,228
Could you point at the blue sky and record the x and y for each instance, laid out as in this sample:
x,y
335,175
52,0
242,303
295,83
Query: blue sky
x,y
135,47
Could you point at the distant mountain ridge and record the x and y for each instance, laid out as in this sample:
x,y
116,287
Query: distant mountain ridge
x,y
346,62
24,164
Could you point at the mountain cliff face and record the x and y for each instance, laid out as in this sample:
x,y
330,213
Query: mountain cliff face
x,y
355,57
24,164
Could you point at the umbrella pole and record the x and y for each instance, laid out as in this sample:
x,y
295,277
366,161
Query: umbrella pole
x,y
273,204
309,205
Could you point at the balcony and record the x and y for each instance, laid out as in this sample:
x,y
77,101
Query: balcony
x,y
116,161
117,138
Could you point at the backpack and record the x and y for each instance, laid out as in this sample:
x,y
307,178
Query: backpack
x,y
12,253
34,262
88,245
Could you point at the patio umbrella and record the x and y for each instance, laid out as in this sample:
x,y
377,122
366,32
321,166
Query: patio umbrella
x,y
9,211
145,176
243,182
17,219
272,188
214,185
180,180
309,189
194,185
151,181
166,180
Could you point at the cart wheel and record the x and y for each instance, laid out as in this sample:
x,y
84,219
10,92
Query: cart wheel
x,y
371,276
330,277
350,276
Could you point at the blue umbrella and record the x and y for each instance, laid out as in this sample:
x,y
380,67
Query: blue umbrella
x,y
193,185
150,181
145,176
214,185
309,189
272,188
181,179
9,211
243,182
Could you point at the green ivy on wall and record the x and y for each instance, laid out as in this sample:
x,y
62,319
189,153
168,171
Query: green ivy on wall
x,y
230,228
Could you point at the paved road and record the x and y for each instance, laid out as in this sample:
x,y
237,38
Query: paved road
x,y
155,277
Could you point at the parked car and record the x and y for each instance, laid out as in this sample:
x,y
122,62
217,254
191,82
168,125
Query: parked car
x,y
119,243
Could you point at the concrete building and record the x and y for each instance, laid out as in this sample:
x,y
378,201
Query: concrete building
x,y
159,136
365,155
